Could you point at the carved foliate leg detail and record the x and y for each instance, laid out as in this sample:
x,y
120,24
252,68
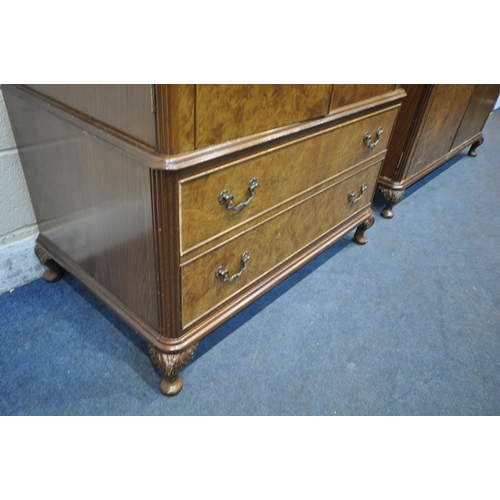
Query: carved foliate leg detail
x,y
171,365
475,145
391,196
359,236
54,272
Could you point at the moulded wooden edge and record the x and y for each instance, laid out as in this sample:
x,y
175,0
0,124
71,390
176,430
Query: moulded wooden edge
x,y
389,183
161,161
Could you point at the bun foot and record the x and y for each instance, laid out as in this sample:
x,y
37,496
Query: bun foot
x,y
171,365
472,151
171,386
54,272
53,275
387,213
391,196
359,236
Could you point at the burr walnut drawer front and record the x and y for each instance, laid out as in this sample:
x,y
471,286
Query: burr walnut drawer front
x,y
238,193
214,276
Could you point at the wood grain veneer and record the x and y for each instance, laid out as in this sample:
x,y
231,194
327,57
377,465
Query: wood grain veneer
x,y
126,108
134,214
436,123
344,94
447,106
479,107
279,172
93,203
225,112
271,242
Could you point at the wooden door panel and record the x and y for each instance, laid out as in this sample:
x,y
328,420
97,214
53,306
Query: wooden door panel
x,y
479,108
446,110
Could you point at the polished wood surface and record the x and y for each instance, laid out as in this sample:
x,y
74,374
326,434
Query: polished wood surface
x,y
175,118
446,110
480,106
126,108
280,175
166,223
131,222
435,124
178,118
344,94
92,202
270,243
225,112
394,162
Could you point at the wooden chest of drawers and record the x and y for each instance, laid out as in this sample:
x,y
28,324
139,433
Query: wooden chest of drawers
x,y
436,123
178,205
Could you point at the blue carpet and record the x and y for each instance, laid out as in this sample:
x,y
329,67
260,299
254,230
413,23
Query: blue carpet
x,y
408,324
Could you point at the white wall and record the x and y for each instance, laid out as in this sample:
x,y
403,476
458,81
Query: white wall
x,y
497,104
18,229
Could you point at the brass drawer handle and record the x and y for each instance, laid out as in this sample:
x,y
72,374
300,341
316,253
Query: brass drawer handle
x,y
227,196
367,138
352,195
223,273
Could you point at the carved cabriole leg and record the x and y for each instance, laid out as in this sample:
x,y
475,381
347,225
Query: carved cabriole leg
x,y
54,272
475,145
171,365
391,196
359,236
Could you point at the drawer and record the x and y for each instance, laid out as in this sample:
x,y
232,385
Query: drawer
x,y
282,173
271,242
